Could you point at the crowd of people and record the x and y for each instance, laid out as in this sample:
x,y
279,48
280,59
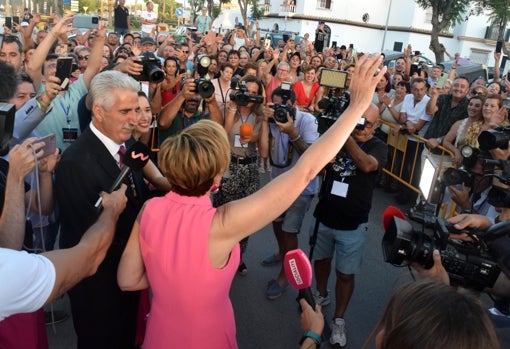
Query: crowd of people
x,y
213,126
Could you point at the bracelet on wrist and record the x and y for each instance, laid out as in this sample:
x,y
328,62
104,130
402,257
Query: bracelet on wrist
x,y
43,106
313,336
295,139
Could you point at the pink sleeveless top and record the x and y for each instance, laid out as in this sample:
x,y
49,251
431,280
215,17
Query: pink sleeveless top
x,y
191,307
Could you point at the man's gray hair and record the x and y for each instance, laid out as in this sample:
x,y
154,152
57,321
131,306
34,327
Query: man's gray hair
x,y
104,83
283,64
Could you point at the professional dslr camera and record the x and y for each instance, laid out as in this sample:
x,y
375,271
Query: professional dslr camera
x,y
240,95
469,264
282,109
333,106
463,174
205,88
151,69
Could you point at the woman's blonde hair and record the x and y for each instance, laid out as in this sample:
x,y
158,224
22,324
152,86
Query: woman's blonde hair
x,y
191,159
428,315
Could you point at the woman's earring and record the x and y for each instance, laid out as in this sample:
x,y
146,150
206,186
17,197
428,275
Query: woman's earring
x,y
215,189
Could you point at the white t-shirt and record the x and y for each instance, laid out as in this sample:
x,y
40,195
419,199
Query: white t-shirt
x,y
147,28
416,112
27,281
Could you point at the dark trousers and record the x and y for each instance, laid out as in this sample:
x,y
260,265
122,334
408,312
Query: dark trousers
x,y
104,316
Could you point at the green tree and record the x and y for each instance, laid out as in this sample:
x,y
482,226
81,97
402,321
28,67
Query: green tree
x,y
445,13
499,16
243,6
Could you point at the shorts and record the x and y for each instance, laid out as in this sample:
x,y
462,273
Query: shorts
x,y
347,245
293,217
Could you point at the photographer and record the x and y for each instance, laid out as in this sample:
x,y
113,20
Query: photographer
x,y
183,111
243,123
342,214
288,140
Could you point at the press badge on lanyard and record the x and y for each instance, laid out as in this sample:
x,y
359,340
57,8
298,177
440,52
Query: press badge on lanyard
x,y
68,134
340,189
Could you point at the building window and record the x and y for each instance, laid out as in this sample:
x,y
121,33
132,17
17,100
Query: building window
x,y
324,4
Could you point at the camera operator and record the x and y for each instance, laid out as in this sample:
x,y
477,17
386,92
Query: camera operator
x,y
342,213
501,247
243,123
184,111
287,142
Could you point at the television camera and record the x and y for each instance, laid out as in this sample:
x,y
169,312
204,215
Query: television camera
x,y
240,94
332,105
468,263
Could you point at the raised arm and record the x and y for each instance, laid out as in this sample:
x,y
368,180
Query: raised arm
x,y
241,218
96,54
12,220
34,68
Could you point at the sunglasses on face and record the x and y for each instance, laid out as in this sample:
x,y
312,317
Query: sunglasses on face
x,y
81,58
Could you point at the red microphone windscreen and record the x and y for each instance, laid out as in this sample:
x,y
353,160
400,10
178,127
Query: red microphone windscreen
x,y
298,269
390,212
136,156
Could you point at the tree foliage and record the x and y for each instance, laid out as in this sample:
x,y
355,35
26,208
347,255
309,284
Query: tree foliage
x,y
445,13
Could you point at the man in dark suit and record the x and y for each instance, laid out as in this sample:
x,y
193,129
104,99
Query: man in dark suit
x,y
103,315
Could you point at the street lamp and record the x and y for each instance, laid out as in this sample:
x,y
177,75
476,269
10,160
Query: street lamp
x,y
386,25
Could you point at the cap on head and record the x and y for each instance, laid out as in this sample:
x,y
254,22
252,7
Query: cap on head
x,y
148,41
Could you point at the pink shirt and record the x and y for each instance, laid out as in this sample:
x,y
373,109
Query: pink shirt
x,y
191,307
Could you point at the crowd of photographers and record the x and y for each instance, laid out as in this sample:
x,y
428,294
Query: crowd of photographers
x,y
273,102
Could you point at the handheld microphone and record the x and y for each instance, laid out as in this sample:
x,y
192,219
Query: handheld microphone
x,y
389,213
298,271
135,158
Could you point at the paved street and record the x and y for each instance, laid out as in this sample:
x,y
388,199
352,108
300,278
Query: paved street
x,y
275,324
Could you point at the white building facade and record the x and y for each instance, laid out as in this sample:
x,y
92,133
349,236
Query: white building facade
x,y
374,25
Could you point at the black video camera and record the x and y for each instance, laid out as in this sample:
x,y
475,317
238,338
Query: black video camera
x,y
240,95
463,175
497,138
333,106
7,114
151,68
469,264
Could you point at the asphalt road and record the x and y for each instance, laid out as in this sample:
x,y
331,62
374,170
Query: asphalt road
x,y
262,323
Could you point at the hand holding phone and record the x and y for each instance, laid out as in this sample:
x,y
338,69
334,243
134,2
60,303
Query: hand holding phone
x,y
50,145
499,46
64,67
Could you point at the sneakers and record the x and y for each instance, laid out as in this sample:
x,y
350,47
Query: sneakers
x,y
242,270
271,260
320,300
338,332
274,290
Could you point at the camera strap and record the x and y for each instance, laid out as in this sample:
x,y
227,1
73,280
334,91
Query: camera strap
x,y
290,151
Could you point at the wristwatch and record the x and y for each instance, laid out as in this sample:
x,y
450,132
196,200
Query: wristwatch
x,y
389,106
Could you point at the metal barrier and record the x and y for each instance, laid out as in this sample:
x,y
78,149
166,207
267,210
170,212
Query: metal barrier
x,y
397,148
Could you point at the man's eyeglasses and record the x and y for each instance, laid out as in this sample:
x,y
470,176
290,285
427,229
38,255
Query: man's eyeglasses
x,y
81,58
185,51
363,123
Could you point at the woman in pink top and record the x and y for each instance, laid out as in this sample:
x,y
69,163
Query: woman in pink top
x,y
188,252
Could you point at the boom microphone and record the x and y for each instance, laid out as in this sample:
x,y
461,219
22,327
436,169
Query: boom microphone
x,y
389,213
298,271
135,158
